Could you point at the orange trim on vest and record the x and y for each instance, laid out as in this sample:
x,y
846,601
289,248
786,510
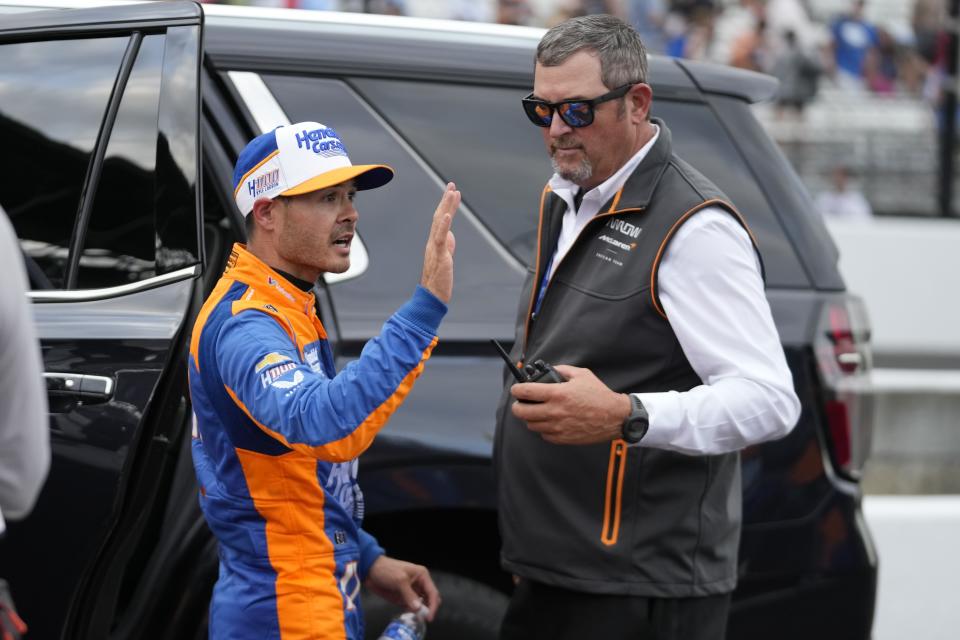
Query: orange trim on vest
x,y
536,271
613,499
612,211
616,200
676,225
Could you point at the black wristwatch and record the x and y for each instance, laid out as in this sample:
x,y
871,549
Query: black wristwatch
x,y
637,423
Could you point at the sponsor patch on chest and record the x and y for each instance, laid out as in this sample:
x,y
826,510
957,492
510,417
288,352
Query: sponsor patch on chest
x,y
616,242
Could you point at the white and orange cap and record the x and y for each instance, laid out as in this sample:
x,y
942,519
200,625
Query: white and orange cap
x,y
298,158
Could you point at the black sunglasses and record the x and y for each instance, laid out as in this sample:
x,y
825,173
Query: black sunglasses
x,y
576,113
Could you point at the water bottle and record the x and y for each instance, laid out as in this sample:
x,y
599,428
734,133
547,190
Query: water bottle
x,y
406,626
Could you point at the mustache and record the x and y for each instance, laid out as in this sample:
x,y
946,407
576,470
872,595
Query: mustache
x,y
565,143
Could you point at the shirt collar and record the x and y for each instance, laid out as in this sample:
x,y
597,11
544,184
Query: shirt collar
x,y
566,189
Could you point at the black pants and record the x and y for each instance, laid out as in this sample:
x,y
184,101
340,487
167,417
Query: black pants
x,y
541,612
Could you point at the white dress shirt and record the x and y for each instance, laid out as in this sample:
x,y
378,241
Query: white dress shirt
x,y
713,294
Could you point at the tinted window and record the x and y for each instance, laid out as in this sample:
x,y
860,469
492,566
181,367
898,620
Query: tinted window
x,y
479,137
144,217
394,221
699,138
53,96
177,170
119,246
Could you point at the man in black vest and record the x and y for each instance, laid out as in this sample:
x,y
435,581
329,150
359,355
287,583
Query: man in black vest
x,y
619,489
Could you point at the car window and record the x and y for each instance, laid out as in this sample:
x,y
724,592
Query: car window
x,y
143,219
53,96
395,218
700,139
480,137
119,242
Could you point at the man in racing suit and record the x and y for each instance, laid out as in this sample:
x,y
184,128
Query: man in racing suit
x,y
277,429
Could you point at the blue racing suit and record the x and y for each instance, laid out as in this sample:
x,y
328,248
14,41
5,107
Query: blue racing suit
x,y
276,438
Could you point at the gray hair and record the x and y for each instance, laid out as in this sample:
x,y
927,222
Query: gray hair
x,y
623,58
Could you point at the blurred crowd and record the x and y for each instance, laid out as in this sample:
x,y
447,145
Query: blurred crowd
x,y
805,46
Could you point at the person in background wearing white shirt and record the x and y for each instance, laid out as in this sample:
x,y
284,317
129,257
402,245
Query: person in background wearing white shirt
x,y
619,489
842,202
24,430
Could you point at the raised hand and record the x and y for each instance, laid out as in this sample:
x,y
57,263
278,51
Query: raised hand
x,y
438,258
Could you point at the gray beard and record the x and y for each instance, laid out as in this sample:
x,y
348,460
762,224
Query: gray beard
x,y
578,175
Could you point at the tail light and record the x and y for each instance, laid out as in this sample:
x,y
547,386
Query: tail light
x,y
842,346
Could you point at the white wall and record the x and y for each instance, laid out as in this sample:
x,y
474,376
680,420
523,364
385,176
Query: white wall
x,y
908,272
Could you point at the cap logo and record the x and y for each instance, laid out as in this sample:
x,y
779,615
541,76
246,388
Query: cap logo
x,y
324,142
263,183
294,159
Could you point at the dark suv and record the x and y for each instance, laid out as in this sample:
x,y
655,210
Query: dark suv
x,y
120,127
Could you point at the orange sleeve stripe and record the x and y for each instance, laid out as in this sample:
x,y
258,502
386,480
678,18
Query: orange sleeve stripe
x,y
215,296
285,493
361,438
313,452
676,225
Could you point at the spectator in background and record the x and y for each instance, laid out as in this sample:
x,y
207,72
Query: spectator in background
x,y
749,49
24,430
937,78
928,16
690,35
853,37
789,15
881,63
648,17
799,75
388,7
735,21
843,202
470,10
514,12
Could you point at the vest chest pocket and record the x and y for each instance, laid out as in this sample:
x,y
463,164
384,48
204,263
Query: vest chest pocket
x,y
612,262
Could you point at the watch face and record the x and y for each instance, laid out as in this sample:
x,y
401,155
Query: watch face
x,y
634,429
636,424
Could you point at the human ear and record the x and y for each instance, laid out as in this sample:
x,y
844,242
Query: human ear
x,y
264,213
640,99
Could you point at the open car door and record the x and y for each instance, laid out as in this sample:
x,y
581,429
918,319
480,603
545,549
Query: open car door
x,y
99,115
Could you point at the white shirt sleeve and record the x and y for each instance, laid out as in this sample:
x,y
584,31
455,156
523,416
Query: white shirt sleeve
x,y
712,292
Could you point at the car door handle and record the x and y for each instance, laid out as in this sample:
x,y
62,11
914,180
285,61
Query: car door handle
x,y
76,388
